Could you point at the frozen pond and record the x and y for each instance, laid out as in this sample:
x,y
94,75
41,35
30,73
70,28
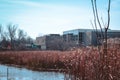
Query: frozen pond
x,y
25,74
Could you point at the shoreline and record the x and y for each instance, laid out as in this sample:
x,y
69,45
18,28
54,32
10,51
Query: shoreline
x,y
36,69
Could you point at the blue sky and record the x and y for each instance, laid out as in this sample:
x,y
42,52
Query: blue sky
x,y
38,17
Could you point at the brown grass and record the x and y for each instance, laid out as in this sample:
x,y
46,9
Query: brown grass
x,y
34,59
81,64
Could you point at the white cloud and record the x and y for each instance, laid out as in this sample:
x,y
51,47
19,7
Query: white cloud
x,y
25,3
35,17
51,18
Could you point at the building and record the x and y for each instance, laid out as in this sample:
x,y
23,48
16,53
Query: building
x,y
73,38
87,36
49,42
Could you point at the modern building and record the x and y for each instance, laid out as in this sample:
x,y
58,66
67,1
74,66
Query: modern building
x,y
49,42
87,36
73,38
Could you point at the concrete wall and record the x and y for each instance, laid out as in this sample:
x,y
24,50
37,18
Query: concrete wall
x,y
49,42
41,41
88,38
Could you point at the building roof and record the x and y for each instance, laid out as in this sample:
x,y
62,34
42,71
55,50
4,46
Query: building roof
x,y
76,31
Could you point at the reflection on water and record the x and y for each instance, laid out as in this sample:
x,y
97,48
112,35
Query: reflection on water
x,y
24,74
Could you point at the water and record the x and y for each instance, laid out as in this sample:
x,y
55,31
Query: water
x,y
25,74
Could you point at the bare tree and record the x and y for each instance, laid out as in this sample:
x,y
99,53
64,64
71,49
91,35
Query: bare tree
x,y
21,35
105,28
21,39
29,40
12,34
104,31
1,32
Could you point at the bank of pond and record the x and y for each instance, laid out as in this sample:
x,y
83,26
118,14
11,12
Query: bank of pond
x,y
14,73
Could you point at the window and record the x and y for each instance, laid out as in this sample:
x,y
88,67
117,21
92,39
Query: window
x,y
80,37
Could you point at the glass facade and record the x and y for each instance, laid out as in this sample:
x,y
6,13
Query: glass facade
x,y
87,36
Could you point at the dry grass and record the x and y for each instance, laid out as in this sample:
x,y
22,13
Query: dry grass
x,y
81,64
89,64
34,59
